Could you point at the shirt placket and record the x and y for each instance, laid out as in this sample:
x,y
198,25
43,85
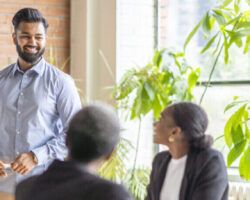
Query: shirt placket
x,y
20,109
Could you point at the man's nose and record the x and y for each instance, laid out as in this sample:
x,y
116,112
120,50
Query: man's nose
x,y
32,41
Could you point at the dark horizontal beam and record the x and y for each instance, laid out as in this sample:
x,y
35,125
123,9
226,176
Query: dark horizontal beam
x,y
225,82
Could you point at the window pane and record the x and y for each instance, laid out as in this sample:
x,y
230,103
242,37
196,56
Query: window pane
x,y
214,102
176,20
135,47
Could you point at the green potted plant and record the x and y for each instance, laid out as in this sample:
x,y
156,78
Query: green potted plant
x,y
167,78
224,26
237,136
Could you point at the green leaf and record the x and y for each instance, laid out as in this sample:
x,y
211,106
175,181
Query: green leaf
x,y
226,3
237,116
218,15
137,105
235,152
192,33
115,167
206,26
192,79
235,97
233,104
244,166
237,135
242,24
137,181
157,108
238,42
227,132
209,43
233,122
157,59
236,7
126,86
246,48
236,20
145,103
248,2
150,91
247,131
226,47
243,32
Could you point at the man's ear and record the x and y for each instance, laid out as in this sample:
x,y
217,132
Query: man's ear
x,y
14,38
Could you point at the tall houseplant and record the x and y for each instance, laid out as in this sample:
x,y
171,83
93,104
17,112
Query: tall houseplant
x,y
237,136
167,78
226,25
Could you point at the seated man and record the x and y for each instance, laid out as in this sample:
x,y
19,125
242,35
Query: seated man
x,y
92,136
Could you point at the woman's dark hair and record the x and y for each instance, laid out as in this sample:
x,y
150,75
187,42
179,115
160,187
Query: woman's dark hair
x,y
29,15
193,121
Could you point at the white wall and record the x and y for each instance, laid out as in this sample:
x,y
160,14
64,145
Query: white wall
x,y
93,45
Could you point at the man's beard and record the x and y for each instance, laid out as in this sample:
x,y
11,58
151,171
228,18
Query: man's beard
x,y
31,58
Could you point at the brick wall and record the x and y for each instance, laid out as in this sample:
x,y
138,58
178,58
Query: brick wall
x,y
57,12
162,23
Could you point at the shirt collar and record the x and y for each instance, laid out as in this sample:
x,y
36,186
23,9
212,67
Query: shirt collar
x,y
37,68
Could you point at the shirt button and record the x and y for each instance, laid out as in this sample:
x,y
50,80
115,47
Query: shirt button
x,y
18,132
17,152
19,112
21,94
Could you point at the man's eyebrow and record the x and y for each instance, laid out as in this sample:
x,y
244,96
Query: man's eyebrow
x,y
37,34
25,33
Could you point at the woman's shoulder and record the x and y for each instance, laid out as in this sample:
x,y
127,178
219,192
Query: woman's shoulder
x,y
210,152
206,155
162,156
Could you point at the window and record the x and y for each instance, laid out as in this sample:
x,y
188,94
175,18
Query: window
x,y
227,81
135,47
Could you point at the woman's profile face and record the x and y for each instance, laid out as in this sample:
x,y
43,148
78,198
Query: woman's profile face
x,y
164,128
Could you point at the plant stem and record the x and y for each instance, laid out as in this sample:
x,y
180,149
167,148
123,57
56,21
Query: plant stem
x,y
211,73
219,137
215,63
137,147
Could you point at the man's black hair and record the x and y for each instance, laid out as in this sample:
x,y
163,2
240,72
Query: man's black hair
x,y
31,15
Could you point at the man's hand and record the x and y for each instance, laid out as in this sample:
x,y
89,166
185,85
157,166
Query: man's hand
x,y
24,163
2,172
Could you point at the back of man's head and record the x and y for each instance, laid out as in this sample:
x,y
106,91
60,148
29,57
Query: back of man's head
x,y
93,133
30,15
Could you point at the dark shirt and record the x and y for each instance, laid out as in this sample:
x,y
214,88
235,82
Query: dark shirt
x,y
68,181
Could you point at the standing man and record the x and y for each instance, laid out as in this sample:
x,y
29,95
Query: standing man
x,y
37,102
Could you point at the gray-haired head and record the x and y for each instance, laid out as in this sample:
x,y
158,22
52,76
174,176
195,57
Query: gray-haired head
x,y
93,133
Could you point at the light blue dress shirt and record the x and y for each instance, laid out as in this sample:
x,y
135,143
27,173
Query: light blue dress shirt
x,y
35,110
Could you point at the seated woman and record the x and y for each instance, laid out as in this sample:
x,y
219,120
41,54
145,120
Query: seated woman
x,y
190,169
